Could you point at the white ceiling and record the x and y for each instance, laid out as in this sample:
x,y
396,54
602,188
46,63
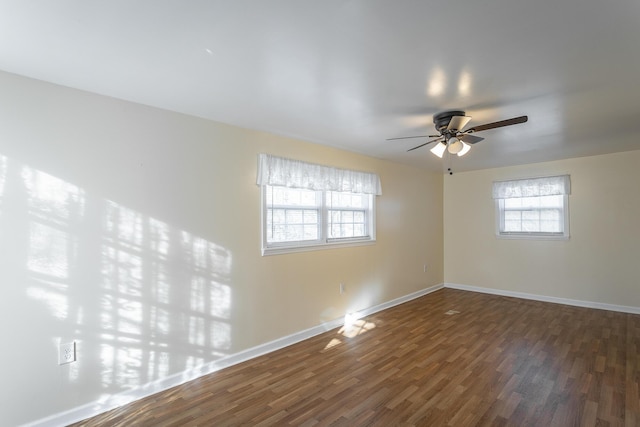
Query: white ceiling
x,y
353,73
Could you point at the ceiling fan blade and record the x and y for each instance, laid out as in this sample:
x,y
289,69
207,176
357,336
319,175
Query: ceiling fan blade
x,y
470,139
458,122
422,145
409,137
499,124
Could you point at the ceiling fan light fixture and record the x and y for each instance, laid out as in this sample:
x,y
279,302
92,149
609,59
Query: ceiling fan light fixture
x,y
438,149
455,147
465,149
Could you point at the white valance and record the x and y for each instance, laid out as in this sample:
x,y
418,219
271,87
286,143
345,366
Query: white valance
x,y
533,187
284,172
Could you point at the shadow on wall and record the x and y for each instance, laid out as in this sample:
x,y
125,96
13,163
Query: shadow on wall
x,y
142,299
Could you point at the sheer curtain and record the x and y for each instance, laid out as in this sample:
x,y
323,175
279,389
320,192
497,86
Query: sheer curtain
x,y
285,172
533,187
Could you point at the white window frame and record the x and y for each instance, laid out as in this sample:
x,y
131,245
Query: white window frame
x,y
526,192
323,241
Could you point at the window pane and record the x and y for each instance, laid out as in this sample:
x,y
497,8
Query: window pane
x,y
345,200
513,216
550,227
310,232
282,196
550,215
294,216
294,232
514,203
552,201
279,233
310,217
512,226
278,215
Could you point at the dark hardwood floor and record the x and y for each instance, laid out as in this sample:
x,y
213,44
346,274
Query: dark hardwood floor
x,y
498,361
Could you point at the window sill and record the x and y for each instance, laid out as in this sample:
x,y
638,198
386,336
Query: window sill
x,y
315,247
531,236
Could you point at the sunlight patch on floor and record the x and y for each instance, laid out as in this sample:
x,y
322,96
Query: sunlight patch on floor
x,y
353,326
334,342
356,328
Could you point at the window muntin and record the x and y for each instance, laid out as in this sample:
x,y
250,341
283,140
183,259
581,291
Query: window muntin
x,y
526,209
299,219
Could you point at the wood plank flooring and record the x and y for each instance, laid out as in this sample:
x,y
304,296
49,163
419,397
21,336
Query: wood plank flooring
x,y
496,362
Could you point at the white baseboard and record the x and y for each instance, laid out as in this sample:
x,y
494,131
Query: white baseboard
x,y
398,301
555,300
97,407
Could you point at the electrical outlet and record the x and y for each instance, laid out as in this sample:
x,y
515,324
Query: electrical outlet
x,y
342,288
425,268
67,353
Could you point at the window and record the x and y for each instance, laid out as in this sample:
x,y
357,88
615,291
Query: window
x,y
533,208
307,206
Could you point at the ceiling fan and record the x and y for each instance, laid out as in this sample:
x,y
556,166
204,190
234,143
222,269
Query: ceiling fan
x,y
452,138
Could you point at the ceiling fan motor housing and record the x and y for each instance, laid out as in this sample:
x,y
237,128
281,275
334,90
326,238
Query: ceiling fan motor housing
x,y
441,120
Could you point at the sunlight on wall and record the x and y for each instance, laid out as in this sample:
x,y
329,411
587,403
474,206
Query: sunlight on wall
x,y
364,297
141,259
48,253
209,295
143,298
52,205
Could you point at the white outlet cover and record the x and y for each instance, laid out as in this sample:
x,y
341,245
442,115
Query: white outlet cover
x,y
67,353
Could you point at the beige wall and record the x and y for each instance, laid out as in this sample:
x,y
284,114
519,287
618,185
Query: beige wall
x,y
136,232
600,261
